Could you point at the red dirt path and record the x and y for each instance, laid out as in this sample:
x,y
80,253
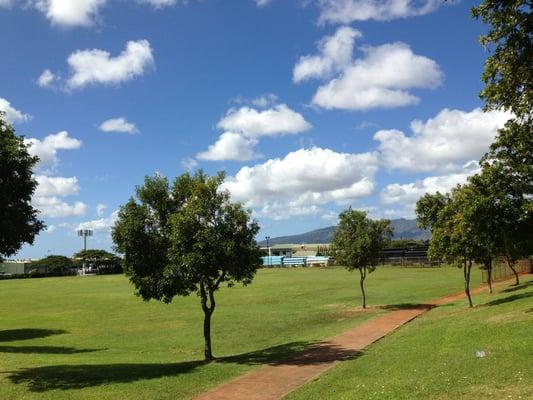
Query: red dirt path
x,y
276,380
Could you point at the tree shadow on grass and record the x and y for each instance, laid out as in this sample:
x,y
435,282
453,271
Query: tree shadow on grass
x,y
45,350
26,334
67,377
509,299
296,353
518,287
407,306
64,377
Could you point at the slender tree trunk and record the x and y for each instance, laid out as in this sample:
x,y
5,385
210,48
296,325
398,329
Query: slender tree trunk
x,y
206,295
488,267
467,269
362,271
511,265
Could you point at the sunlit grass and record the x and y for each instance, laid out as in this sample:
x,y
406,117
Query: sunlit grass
x,y
91,338
434,357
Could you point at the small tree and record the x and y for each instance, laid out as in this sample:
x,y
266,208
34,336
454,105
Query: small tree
x,y
357,242
54,263
18,219
104,261
449,241
511,218
188,238
463,228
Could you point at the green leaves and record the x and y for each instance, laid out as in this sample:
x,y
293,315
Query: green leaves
x,y
54,263
176,237
358,240
508,71
18,219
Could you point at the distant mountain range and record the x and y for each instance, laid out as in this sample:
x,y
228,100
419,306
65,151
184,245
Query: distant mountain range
x,y
403,229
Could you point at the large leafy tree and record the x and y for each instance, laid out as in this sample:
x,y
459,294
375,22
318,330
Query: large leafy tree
x,y
18,219
357,243
464,228
510,219
186,238
508,76
450,233
508,73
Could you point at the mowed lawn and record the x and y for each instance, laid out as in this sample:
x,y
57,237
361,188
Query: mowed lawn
x,y
434,357
91,338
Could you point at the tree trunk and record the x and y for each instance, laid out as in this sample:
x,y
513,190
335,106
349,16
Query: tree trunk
x,y
488,267
511,265
205,292
467,269
208,352
362,271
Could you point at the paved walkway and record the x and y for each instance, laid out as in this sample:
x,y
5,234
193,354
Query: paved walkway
x,y
276,380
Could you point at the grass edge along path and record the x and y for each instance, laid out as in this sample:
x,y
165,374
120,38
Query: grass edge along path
x,y
278,379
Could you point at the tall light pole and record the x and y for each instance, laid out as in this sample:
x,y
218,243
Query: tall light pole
x,y
84,233
268,249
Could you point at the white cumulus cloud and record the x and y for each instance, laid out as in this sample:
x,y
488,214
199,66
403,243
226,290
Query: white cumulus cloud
x,y
12,115
304,180
48,194
90,67
69,13
100,208
443,143
381,78
335,54
347,11
230,146
118,125
56,186
99,67
409,193
403,196
46,149
279,120
46,79
54,207
243,127
101,224
50,190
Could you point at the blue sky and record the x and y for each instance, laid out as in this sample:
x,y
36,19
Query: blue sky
x,y
309,106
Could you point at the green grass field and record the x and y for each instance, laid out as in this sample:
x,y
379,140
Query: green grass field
x,y
91,338
434,357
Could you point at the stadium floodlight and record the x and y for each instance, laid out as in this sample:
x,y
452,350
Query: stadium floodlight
x,y
85,233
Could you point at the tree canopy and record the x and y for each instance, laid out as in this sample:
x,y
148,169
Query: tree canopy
x,y
54,263
19,223
186,238
104,261
508,73
358,241
451,234
95,255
